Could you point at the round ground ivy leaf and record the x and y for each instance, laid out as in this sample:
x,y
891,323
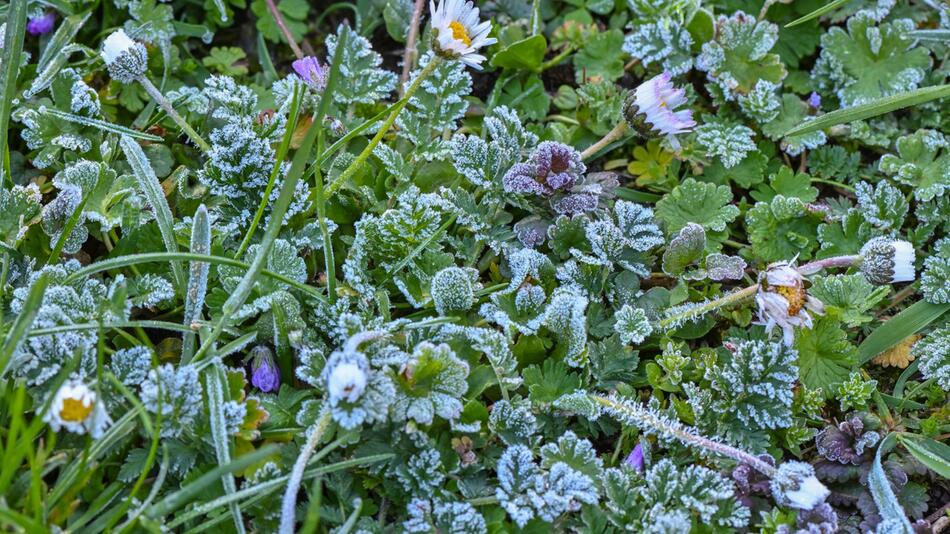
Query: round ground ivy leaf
x,y
922,161
707,205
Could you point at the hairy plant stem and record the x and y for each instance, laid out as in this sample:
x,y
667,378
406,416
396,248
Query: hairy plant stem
x,y
725,300
409,56
828,263
289,505
685,434
348,173
163,102
611,136
282,24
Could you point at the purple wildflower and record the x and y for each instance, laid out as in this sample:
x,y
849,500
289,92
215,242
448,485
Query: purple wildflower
x,y
264,374
814,101
635,459
552,167
42,24
311,71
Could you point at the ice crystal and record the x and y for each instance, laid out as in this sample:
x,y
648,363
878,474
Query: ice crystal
x,y
175,392
512,422
622,239
632,325
665,42
453,289
727,140
430,384
934,354
361,79
422,474
666,498
485,163
739,56
426,516
131,366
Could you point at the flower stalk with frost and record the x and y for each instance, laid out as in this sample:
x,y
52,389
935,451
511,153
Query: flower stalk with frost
x,y
127,62
793,485
459,35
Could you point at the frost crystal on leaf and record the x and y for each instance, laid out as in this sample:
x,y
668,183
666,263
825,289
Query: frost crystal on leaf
x,y
934,354
665,42
430,384
176,393
632,325
727,140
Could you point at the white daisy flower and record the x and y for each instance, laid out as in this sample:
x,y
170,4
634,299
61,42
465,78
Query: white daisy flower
x,y
346,382
459,34
784,302
76,408
652,108
887,261
125,58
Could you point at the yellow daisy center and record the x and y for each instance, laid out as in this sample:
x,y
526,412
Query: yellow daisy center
x,y
795,296
460,33
75,411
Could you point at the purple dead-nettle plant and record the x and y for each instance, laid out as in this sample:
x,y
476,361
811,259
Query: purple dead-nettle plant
x,y
553,167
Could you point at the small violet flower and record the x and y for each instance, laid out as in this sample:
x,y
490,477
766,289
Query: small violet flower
x,y
651,109
265,375
635,459
814,101
42,24
311,72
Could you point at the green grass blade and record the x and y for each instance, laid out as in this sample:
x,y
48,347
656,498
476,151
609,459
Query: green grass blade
x,y
933,454
883,494
155,196
215,390
31,306
63,35
898,328
871,109
830,6
197,279
105,126
148,257
189,491
10,64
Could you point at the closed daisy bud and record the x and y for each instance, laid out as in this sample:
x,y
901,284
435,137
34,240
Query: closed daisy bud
x,y
887,261
458,32
649,109
347,381
77,408
784,302
125,58
795,486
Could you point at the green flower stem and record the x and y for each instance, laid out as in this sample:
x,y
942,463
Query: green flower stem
x,y
685,434
348,173
612,135
163,102
289,505
829,263
696,311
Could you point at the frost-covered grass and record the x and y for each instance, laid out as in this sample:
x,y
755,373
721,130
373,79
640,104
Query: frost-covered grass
x,y
385,266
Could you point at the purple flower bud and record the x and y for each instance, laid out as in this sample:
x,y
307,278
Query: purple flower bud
x,y
311,71
635,458
814,101
41,24
264,374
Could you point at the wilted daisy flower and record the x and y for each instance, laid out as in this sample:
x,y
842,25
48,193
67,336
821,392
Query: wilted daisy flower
x,y
347,382
311,71
458,32
356,392
887,261
78,409
783,300
126,59
650,109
